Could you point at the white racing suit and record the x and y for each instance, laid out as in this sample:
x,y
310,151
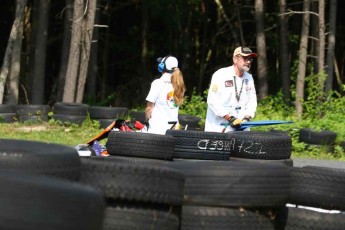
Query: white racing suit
x,y
222,99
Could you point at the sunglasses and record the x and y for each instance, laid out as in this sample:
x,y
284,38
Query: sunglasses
x,y
246,59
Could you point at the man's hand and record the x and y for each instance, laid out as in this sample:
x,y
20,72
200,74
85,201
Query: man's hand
x,y
234,122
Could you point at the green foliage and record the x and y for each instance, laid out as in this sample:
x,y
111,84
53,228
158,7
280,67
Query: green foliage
x,y
195,105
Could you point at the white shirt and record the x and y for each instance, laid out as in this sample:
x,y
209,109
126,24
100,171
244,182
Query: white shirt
x,y
165,109
222,98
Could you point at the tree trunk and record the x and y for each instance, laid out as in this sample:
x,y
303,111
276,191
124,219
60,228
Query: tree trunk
x,y
261,49
302,64
321,59
9,49
331,44
284,62
37,93
13,78
68,12
74,53
87,34
91,82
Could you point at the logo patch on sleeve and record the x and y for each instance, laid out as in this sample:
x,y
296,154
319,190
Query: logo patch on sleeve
x,y
229,83
215,88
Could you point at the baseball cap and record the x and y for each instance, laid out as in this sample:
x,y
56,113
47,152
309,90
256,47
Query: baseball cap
x,y
244,51
171,62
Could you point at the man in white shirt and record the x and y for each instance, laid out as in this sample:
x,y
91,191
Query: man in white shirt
x,y
232,96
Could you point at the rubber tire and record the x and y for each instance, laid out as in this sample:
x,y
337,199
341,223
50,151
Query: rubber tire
x,y
32,202
260,145
287,162
69,119
7,108
290,218
8,117
210,218
140,216
318,187
233,183
200,145
70,108
40,158
133,180
310,136
101,112
137,144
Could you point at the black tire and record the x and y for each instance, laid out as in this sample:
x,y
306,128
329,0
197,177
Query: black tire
x,y
104,123
260,145
138,115
69,108
32,110
7,108
31,202
8,117
40,158
287,162
140,216
200,145
100,112
137,144
324,137
69,119
211,218
32,119
191,121
234,184
290,218
133,180
319,187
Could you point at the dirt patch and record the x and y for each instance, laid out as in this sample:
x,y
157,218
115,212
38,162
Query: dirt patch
x,y
32,128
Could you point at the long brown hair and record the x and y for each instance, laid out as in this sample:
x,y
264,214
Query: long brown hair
x,y
178,85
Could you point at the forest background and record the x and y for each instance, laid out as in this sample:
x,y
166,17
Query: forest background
x,y
103,52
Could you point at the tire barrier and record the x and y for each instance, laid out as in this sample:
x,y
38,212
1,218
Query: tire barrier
x,y
8,113
32,113
68,112
106,115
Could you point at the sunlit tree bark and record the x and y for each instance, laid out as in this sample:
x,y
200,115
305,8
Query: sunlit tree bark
x,y
302,60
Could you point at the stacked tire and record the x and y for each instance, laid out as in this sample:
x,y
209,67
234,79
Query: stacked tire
x,y
141,190
40,188
70,113
8,113
318,139
106,115
32,113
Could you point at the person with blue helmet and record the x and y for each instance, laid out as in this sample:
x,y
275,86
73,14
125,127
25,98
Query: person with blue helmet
x,y
165,96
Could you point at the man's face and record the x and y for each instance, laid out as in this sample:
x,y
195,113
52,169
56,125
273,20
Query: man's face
x,y
243,63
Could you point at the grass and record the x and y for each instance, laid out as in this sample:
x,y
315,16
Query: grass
x,y
50,133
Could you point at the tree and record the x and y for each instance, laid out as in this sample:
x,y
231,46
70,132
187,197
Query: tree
x,y
82,30
302,60
12,85
321,58
261,49
331,44
39,62
9,49
284,61
68,15
87,34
